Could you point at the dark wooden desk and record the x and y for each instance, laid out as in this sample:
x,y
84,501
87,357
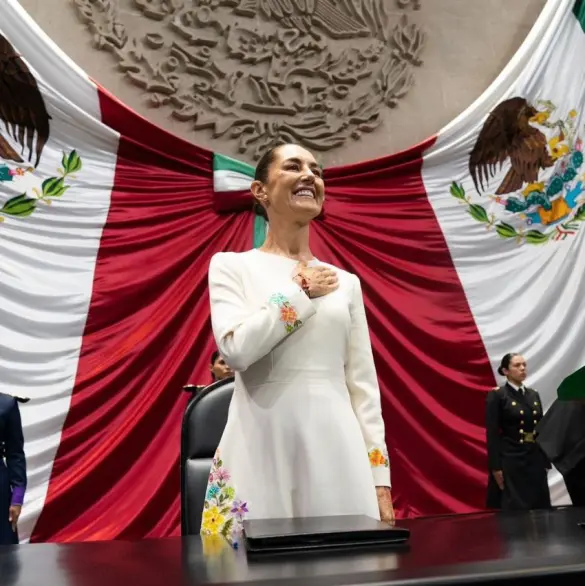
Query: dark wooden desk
x,y
525,548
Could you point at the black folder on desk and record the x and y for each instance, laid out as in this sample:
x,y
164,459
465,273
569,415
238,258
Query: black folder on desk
x,y
317,533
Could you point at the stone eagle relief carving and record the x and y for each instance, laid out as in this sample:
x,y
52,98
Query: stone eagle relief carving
x,y
263,72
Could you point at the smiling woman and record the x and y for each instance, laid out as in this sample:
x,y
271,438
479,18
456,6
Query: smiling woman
x,y
306,393
308,188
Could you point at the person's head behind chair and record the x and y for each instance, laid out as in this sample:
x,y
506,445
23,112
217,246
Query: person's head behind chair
x,y
218,367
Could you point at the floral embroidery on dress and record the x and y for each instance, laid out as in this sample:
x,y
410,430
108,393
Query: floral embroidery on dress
x,y
222,512
288,314
378,458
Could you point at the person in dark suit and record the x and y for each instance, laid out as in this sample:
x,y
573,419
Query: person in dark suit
x,y
12,469
561,435
518,467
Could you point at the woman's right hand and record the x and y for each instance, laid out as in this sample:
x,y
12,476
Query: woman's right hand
x,y
318,281
499,478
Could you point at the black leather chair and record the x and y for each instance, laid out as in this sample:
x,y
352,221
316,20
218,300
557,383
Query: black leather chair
x,y
203,424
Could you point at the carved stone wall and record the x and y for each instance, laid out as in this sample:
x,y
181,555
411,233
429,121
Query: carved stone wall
x,y
349,79
263,72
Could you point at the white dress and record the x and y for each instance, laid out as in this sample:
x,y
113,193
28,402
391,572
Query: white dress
x,y
305,435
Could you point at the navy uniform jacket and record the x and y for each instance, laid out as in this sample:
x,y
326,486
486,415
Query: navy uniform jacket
x,y
12,441
511,421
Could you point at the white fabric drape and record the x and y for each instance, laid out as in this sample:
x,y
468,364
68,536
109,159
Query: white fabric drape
x,y
47,258
526,297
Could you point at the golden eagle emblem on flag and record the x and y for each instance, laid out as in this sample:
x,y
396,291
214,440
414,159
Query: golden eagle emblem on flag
x,y
527,172
24,122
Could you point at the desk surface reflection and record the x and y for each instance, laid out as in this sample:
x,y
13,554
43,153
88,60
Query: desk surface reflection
x,y
519,548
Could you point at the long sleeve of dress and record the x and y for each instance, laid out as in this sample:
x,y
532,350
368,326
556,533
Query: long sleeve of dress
x,y
14,452
244,335
492,427
362,382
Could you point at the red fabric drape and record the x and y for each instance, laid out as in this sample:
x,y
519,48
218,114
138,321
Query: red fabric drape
x,y
116,474
431,361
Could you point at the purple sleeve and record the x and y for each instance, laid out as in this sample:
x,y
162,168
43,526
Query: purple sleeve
x,y
14,454
17,495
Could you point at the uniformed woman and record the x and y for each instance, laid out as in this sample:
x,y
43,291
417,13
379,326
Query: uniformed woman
x,y
12,469
518,467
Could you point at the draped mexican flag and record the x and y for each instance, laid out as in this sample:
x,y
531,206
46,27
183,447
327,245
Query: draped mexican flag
x,y
505,184
469,245
107,225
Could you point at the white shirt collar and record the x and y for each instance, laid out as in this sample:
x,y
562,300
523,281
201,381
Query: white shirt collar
x,y
521,388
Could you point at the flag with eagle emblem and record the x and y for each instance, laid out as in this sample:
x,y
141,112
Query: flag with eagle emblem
x,y
107,225
506,183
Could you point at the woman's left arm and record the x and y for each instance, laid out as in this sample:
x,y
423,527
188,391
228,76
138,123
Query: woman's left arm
x,y
362,382
15,459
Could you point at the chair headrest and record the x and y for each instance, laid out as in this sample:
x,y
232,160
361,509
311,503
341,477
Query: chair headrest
x,y
206,418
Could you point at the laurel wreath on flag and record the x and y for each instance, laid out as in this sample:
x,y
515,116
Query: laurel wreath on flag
x,y
508,231
23,205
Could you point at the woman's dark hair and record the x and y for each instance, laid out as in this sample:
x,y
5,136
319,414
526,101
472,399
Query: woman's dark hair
x,y
505,363
261,174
